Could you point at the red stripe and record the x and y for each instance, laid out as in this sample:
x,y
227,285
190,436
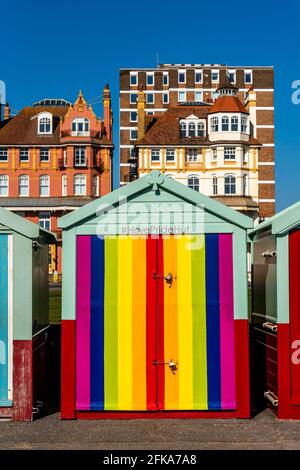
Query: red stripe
x,y
242,369
160,326
22,380
151,324
294,281
68,369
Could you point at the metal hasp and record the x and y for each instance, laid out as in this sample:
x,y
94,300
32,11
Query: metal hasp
x,y
168,278
172,365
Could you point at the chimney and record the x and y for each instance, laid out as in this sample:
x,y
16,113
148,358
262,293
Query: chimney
x,y
107,112
141,113
6,112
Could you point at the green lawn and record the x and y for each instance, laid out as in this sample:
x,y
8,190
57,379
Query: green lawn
x,y
55,306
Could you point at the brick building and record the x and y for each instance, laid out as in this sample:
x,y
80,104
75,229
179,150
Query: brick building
x,y
54,158
172,85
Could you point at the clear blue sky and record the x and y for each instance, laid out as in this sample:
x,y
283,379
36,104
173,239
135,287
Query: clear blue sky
x,y
52,49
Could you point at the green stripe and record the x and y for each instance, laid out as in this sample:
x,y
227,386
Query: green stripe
x,y
111,324
199,325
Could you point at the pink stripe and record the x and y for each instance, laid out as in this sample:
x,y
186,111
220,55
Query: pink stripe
x,y
83,322
228,398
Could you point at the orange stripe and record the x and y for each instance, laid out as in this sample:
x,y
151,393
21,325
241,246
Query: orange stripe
x,y
139,397
171,324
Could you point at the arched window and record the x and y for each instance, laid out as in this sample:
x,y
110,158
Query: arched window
x,y
96,185
24,185
45,123
234,123
44,185
80,126
244,124
182,129
192,129
80,185
214,185
214,124
225,123
193,182
245,185
230,184
64,185
200,129
4,185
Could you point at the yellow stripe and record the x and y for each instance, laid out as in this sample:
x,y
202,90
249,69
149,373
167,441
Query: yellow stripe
x,y
185,317
170,325
139,396
125,323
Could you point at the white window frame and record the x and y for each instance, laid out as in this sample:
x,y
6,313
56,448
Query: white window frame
x,y
245,155
231,184
153,98
165,94
217,79
250,72
43,150
182,71
131,134
201,73
24,149
214,154
245,188
65,158
155,151
227,124
6,185
228,154
214,94
214,124
201,95
214,185
131,95
136,116
41,117
184,94
76,122
64,185
3,153
45,218
194,177
96,186
80,184
80,157
20,179
171,152
231,71
192,155
198,131
150,74
134,74
166,74
237,123
44,178
244,129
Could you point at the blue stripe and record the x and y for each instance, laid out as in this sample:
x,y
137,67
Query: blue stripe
x,y
213,322
3,318
97,323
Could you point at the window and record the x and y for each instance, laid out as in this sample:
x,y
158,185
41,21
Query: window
x,y
198,95
96,185
45,124
198,76
245,155
155,155
215,76
3,185
245,185
150,98
64,185
231,76
214,124
192,129
24,155
214,185
214,95
165,78
230,184
150,78
229,153
248,76
133,116
65,158
182,130
170,156
181,76
3,154
44,154
192,155
24,185
225,123
133,78
200,129
234,123
165,98
244,124
80,156
80,126
44,185
181,96
133,98
133,134
193,182
79,185
45,220
214,155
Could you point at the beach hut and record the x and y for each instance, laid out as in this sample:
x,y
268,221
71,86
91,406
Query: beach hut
x,y
155,309
24,249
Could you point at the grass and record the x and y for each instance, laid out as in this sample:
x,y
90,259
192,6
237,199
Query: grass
x,y
55,306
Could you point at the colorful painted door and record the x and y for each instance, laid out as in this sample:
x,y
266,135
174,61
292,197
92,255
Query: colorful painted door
x,y
5,372
155,327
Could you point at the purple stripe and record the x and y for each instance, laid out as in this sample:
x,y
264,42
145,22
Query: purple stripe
x,y
228,398
83,322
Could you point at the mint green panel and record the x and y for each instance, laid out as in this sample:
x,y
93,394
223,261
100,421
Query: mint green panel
x,y
22,287
240,281
69,275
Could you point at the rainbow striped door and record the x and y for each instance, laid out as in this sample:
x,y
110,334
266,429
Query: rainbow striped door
x,y
154,323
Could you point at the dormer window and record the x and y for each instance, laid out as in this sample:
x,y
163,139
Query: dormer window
x,y
45,123
214,124
182,130
80,127
244,124
192,127
225,124
200,129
